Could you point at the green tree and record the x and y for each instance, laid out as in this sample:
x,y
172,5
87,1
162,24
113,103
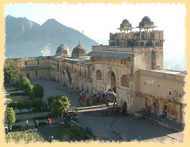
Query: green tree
x,y
24,82
20,105
9,116
50,99
60,104
38,103
17,84
12,72
13,105
29,104
30,90
38,91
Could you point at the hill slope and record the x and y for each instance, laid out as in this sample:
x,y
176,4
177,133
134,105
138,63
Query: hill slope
x,y
25,38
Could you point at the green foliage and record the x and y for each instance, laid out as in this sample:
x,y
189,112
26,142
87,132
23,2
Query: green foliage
x,y
50,99
42,123
38,103
78,133
12,72
38,91
13,105
20,105
30,90
18,84
24,82
29,104
60,104
67,126
17,127
10,116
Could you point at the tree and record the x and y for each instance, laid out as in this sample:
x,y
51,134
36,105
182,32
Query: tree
x,y
60,104
50,99
38,103
38,91
12,72
20,105
13,105
29,104
24,82
30,90
9,116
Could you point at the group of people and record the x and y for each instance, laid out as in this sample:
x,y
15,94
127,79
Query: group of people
x,y
36,124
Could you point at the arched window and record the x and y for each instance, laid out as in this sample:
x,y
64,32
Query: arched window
x,y
98,75
124,81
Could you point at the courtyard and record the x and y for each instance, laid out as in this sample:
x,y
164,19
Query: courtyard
x,y
104,126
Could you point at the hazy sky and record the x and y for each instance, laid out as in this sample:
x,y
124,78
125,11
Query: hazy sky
x,y
98,20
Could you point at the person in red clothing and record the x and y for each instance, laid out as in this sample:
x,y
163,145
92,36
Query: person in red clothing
x,y
49,123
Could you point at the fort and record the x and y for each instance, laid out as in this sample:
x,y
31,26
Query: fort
x,y
132,65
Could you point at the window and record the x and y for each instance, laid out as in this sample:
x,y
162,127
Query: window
x,y
124,81
170,93
25,62
121,61
179,95
144,83
36,73
131,70
99,75
158,85
38,61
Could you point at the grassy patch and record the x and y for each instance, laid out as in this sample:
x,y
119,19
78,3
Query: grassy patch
x,y
59,133
12,98
10,88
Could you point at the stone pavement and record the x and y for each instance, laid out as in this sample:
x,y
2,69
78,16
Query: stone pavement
x,y
103,125
164,122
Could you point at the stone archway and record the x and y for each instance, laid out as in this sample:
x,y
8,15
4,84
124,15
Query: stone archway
x,y
111,80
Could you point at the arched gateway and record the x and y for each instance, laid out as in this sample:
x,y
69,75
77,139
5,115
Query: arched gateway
x,y
111,81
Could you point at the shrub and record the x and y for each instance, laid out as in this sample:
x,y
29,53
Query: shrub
x,y
13,104
30,90
29,104
38,103
42,123
9,116
24,82
38,91
20,105
67,126
18,127
18,84
50,99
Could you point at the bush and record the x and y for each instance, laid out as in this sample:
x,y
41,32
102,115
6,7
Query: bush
x,y
24,82
67,126
30,90
17,94
38,104
18,84
20,105
18,127
50,99
29,104
38,91
42,123
13,104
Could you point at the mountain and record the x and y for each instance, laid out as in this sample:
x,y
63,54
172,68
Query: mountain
x,y
25,38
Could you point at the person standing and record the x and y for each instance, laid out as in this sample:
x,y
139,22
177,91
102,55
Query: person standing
x,y
6,129
26,124
36,124
49,123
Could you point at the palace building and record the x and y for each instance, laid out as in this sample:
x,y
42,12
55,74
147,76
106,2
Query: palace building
x,y
132,65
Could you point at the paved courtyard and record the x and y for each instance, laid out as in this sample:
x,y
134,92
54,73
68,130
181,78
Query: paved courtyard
x,y
114,126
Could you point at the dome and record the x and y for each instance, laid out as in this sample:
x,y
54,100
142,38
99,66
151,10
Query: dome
x,y
125,25
146,23
63,50
79,50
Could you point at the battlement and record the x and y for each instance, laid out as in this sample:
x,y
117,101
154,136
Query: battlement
x,y
153,35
